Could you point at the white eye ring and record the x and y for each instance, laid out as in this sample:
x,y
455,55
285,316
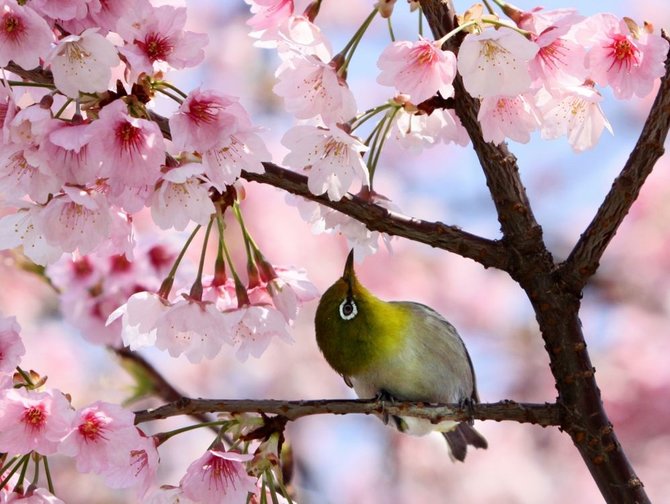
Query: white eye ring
x,y
348,309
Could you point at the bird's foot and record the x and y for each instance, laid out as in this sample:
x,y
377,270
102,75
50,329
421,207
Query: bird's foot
x,y
468,404
385,396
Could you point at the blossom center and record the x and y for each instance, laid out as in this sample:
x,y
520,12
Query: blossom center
x,y
13,26
75,52
553,53
203,111
156,47
490,50
222,473
34,417
129,136
92,427
623,52
424,54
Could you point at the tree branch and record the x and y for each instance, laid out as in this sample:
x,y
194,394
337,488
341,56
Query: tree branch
x,y
489,253
540,414
585,256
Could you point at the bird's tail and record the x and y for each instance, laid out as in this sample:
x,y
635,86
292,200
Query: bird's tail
x,y
460,437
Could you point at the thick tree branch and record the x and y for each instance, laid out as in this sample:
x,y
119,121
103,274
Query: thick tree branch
x,y
540,414
489,253
585,257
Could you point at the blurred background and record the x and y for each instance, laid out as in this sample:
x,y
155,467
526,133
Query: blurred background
x,y
356,459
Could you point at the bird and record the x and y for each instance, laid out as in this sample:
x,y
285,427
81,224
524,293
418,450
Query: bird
x,y
398,351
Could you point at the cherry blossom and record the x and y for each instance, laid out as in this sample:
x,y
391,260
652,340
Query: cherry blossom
x,y
495,62
513,117
312,88
135,463
32,420
64,152
299,34
194,328
254,329
31,496
140,316
76,220
418,131
217,477
24,35
204,118
182,197
156,39
11,346
23,228
95,433
623,56
130,150
19,177
243,150
332,156
268,16
419,69
61,9
83,63
575,113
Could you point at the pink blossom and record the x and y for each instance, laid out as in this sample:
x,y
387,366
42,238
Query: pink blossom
x,y
130,150
135,462
23,228
20,177
332,157
167,494
510,117
204,118
31,496
140,316
29,125
61,9
243,150
11,346
76,220
156,40
312,88
194,328
300,35
24,35
95,433
255,328
575,113
182,197
218,477
32,420
268,16
105,14
418,131
83,63
64,152
419,69
495,62
624,56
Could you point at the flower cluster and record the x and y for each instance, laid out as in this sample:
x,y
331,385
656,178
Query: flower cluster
x,y
101,437
77,163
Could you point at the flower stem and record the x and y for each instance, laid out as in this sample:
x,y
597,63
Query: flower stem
x,y
169,95
62,109
36,474
164,436
22,461
420,11
162,84
50,482
368,114
166,286
390,25
196,288
374,157
240,290
350,48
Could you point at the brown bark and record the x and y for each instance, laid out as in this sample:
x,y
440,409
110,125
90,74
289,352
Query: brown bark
x,y
556,297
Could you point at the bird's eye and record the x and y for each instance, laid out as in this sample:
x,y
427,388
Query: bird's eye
x,y
348,309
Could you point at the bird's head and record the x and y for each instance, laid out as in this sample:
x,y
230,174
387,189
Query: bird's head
x,y
351,322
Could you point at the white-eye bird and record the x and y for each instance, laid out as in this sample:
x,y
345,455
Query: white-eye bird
x,y
398,350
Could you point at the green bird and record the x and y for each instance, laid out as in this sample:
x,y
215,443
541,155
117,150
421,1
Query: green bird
x,y
397,350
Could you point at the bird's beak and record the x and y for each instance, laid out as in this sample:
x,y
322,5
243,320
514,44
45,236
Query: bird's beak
x,y
349,268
